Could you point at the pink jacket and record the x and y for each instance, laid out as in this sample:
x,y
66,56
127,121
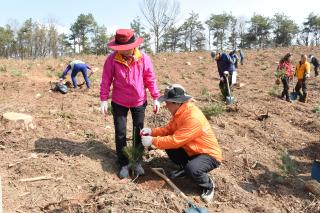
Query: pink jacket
x,y
128,81
288,68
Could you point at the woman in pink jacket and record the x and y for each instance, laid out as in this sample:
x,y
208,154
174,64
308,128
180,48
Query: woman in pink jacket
x,y
285,64
130,72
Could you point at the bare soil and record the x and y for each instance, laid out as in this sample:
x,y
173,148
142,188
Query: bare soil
x,y
72,147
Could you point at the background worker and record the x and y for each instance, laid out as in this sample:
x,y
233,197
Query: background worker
x,y
315,62
224,63
77,66
235,58
302,72
285,64
241,53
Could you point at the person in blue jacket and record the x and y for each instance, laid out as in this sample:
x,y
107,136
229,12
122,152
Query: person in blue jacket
x,y
77,66
224,63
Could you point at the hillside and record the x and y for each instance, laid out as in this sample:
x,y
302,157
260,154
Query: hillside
x,y
73,146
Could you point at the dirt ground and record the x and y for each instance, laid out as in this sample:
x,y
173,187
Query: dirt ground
x,y
72,147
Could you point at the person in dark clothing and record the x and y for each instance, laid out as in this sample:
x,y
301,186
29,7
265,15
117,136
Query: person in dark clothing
x,y
224,63
233,55
285,64
77,66
315,62
241,56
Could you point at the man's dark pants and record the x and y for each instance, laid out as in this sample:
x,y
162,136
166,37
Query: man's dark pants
x,y
224,86
285,92
196,167
302,83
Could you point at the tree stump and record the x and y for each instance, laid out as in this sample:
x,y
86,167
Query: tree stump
x,y
21,118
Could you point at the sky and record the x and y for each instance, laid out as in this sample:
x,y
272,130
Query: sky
x,y
118,14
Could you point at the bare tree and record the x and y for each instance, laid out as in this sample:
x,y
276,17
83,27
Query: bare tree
x,y
160,15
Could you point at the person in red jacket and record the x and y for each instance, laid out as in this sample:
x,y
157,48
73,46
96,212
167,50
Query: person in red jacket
x,y
286,66
188,140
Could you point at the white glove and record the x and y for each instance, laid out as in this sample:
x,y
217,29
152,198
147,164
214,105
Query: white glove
x,y
146,132
104,107
146,140
307,75
61,79
226,73
156,106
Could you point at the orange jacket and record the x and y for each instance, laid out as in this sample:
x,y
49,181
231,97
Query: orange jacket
x,y
302,70
188,129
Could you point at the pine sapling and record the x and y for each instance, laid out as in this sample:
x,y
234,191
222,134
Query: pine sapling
x,y
287,167
133,153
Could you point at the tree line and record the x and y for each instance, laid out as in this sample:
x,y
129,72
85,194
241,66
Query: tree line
x,y
160,26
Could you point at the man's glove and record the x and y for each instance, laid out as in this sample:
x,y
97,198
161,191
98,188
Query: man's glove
x,y
226,73
156,106
60,79
104,107
146,132
146,140
307,75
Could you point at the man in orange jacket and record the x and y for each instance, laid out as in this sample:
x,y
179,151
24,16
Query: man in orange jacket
x,y
187,139
302,72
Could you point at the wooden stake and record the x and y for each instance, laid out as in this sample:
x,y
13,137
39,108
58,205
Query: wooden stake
x,y
36,179
160,172
143,210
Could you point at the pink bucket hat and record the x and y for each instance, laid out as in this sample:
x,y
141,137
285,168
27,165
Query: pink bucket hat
x,y
124,40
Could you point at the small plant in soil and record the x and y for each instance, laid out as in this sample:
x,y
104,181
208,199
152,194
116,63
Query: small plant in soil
x,y
50,73
3,68
50,67
264,67
273,91
317,109
134,154
213,110
16,73
205,91
287,165
29,66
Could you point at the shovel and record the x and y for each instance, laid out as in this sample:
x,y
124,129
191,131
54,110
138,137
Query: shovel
x,y
192,207
229,99
293,94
